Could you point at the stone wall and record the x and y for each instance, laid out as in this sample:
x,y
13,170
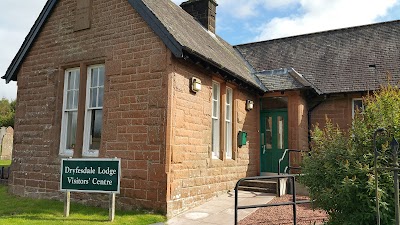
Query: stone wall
x,y
134,111
194,176
336,108
159,129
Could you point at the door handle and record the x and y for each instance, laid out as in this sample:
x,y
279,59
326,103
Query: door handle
x,y
264,149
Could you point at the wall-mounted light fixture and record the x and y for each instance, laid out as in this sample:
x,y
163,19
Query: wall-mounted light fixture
x,y
249,105
195,84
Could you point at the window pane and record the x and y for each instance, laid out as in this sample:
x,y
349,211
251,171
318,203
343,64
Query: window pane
x,y
93,97
101,76
228,120
215,137
215,119
71,129
228,104
94,77
228,113
70,99
268,132
215,101
280,137
71,81
77,72
101,93
358,105
229,140
75,99
95,131
215,91
215,109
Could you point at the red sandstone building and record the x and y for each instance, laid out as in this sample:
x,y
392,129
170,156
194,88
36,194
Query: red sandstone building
x,y
147,82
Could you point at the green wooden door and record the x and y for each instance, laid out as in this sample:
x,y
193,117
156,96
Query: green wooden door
x,y
274,139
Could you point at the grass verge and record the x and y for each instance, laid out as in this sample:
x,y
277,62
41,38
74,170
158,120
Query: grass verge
x,y
5,163
18,210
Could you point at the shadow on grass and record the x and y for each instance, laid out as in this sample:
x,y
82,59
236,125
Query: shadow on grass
x,y
55,219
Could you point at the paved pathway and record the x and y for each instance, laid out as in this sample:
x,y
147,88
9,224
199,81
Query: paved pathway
x,y
220,210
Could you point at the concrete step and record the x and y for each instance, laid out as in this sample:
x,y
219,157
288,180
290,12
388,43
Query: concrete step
x,y
259,186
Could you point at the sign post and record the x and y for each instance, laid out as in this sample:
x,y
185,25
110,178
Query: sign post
x,y
67,203
111,210
90,175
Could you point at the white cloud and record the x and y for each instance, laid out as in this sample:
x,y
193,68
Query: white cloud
x,y
178,2
320,15
9,90
242,9
16,19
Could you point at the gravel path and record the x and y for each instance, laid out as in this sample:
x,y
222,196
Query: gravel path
x,y
280,215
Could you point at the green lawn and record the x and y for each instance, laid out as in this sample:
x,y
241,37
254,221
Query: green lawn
x,y
18,210
5,163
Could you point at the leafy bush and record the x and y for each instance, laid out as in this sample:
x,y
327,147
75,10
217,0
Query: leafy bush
x,y
340,169
7,112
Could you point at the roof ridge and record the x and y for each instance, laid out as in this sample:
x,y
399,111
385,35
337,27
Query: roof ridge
x,y
320,32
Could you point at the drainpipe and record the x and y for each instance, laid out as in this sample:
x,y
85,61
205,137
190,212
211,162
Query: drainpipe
x,y
310,110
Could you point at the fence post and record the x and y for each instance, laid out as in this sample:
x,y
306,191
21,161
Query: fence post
x,y
294,201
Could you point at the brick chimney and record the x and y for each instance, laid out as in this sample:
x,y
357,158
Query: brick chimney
x,y
203,11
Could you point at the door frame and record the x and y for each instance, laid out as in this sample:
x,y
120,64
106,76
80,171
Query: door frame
x,y
263,115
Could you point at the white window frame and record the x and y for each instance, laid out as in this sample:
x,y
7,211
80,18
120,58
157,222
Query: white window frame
x,y
215,119
63,151
88,115
352,106
228,122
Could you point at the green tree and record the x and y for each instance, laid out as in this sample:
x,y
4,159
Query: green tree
x,y
7,113
339,171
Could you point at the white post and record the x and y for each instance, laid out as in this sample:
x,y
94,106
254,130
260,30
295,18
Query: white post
x,y
111,210
67,201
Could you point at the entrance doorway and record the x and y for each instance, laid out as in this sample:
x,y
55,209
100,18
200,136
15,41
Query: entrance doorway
x,y
274,139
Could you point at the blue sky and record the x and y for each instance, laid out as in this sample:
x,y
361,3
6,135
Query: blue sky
x,y
238,21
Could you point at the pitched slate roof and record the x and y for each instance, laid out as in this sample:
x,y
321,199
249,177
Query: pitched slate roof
x,y
169,20
179,31
334,61
283,79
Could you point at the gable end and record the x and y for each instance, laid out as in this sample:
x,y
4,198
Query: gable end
x,y
158,28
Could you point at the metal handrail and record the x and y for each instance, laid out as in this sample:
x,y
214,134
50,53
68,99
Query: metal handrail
x,y
293,203
287,167
283,157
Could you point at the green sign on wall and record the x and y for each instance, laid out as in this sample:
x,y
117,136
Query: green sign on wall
x,y
90,175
